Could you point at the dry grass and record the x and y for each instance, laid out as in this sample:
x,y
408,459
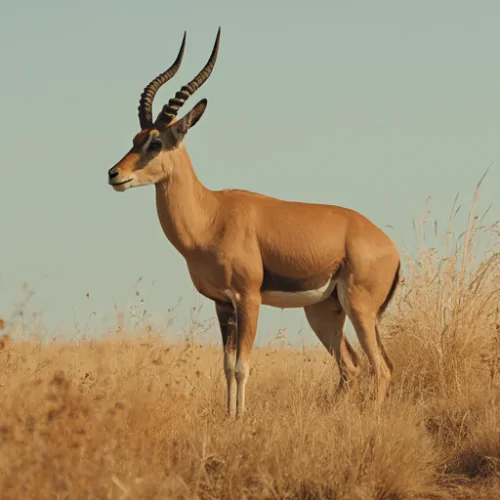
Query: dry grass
x,y
132,416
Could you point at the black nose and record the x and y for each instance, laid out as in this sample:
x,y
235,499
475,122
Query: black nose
x,y
112,174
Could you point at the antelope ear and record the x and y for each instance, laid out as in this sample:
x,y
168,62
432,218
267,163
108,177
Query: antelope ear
x,y
180,128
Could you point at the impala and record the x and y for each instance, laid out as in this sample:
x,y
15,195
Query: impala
x,y
244,250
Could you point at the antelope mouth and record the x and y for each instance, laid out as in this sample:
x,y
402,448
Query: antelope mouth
x,y
120,183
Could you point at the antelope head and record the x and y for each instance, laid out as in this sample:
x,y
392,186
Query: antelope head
x,y
154,155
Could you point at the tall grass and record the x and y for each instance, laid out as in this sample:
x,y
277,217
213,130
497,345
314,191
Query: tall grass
x,y
133,416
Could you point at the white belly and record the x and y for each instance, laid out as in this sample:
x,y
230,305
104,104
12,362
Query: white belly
x,y
285,300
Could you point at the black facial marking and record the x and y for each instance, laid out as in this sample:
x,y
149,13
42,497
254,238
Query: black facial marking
x,y
155,145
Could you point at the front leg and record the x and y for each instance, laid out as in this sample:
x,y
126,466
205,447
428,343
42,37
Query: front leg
x,y
226,314
247,314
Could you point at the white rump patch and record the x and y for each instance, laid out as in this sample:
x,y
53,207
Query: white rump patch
x,y
288,300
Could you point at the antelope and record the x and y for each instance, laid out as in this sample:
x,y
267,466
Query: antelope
x,y
244,249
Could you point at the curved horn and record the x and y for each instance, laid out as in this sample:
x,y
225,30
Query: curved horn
x,y
169,111
147,96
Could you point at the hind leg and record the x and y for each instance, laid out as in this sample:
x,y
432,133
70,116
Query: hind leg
x,y
362,308
327,320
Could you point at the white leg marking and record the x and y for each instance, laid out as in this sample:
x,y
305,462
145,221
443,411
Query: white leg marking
x,y
242,373
235,298
242,368
229,370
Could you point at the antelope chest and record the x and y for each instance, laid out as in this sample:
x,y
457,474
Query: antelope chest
x,y
209,279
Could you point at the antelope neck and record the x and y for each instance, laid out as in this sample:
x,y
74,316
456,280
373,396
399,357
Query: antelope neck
x,y
186,209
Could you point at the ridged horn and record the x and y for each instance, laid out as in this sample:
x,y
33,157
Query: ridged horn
x,y
169,111
147,96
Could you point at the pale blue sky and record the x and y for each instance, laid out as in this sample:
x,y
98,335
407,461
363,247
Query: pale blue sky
x,y
370,105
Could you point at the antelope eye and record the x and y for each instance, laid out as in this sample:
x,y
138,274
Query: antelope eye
x,y
155,146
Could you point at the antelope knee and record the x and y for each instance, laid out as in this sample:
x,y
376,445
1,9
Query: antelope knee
x,y
229,364
242,370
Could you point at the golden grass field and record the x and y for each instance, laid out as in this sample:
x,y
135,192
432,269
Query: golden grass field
x,y
133,416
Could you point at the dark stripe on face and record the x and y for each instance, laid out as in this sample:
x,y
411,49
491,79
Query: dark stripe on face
x,y
141,138
273,282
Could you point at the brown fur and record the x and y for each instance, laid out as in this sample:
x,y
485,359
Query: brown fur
x,y
232,239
